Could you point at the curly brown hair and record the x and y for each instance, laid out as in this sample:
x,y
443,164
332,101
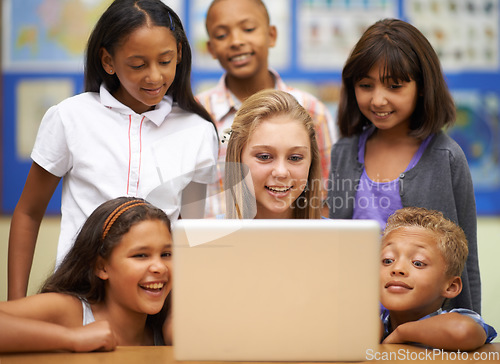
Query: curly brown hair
x,y
450,238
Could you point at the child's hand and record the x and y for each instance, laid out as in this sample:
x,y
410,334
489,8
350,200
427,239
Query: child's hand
x,y
394,338
96,336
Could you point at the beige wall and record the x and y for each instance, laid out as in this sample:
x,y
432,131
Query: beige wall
x,y
489,254
45,253
489,265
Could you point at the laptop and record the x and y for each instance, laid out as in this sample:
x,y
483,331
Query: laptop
x,y
275,290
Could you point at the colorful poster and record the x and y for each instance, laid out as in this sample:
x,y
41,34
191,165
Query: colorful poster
x,y
477,131
34,98
47,35
328,29
465,34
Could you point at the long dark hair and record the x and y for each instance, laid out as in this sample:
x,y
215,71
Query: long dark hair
x,y
121,19
97,238
406,55
101,232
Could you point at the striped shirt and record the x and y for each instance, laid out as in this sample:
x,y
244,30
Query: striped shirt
x,y
489,330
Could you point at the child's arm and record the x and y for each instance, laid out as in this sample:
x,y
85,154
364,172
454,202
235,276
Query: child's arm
x,y
19,334
49,322
38,190
448,331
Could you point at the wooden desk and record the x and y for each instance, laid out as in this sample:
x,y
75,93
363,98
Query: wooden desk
x,y
386,354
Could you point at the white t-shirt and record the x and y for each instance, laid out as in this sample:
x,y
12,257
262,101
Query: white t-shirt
x,y
104,150
88,315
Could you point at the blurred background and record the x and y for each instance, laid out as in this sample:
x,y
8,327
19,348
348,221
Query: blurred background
x,y
41,62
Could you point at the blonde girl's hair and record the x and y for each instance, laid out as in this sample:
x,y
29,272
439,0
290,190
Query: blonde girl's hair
x,y
261,106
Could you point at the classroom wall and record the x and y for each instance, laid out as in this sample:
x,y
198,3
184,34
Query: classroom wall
x,y
41,66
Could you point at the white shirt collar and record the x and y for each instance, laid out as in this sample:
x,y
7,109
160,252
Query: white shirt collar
x,y
157,115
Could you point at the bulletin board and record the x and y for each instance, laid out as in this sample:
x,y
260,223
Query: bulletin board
x,y
42,63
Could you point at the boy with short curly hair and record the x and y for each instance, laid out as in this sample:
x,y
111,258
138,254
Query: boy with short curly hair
x,y
423,255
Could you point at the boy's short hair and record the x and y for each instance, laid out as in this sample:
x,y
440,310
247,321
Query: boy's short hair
x,y
257,2
450,238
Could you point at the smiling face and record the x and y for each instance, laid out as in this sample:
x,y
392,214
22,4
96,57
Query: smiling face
x,y
278,155
138,272
385,103
240,37
413,274
145,64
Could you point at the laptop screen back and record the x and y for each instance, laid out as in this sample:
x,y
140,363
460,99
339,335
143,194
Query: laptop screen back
x,y
275,290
